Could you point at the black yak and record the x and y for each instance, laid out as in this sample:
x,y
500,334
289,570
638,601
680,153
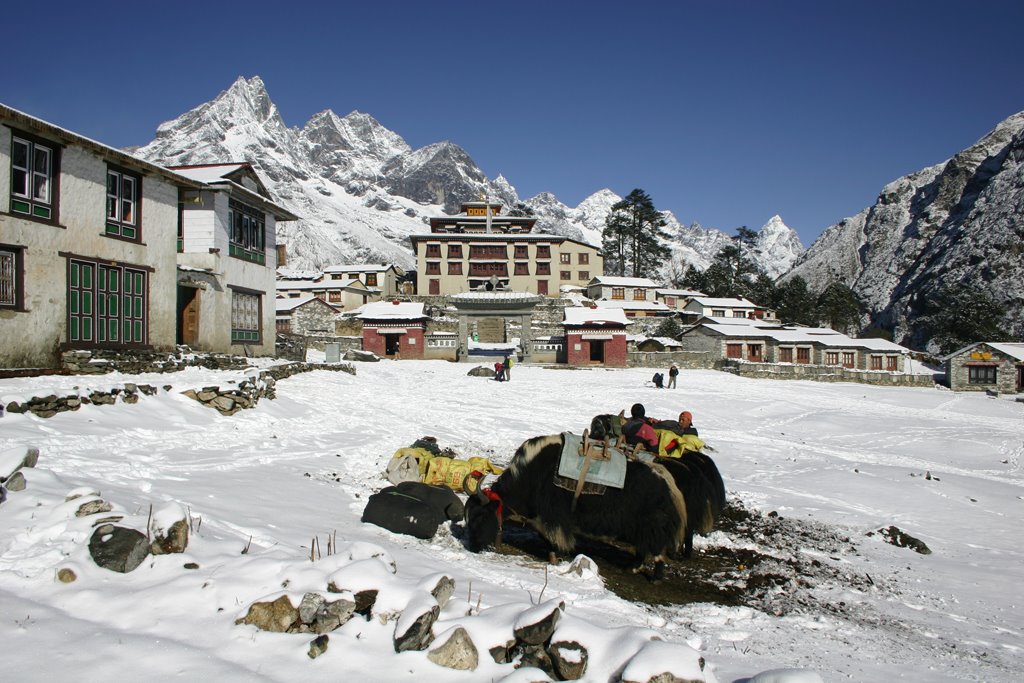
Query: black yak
x,y
648,513
696,476
698,479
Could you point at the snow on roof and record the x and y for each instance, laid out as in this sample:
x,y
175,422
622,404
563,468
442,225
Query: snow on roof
x,y
724,302
495,296
401,310
680,292
1012,349
623,281
664,341
284,285
632,305
285,305
800,335
594,316
208,173
358,268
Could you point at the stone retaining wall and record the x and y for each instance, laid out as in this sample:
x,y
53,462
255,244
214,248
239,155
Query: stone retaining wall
x,y
826,373
228,401
103,361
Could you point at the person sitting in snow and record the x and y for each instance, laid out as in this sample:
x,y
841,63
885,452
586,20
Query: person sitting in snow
x,y
499,371
658,379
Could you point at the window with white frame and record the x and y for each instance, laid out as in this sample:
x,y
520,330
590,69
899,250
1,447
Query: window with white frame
x,y
245,317
122,204
34,173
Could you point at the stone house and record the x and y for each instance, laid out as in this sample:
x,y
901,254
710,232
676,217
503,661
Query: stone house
x,y
595,336
753,341
725,307
986,366
380,280
612,288
636,308
345,295
87,247
676,299
227,260
306,316
394,329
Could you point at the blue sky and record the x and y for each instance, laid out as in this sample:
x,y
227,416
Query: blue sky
x,y
724,112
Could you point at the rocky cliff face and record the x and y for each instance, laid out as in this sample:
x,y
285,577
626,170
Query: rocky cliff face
x,y
957,223
361,190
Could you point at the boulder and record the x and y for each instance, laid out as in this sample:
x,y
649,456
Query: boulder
x,y
569,659
535,626
13,459
413,630
481,371
93,507
318,646
16,482
457,652
65,575
661,662
361,356
169,529
118,549
278,616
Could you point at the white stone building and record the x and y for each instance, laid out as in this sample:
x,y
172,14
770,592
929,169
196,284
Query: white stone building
x,y
227,260
87,246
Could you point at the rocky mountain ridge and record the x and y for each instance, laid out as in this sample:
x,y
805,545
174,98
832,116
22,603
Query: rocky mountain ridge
x,y
958,223
361,190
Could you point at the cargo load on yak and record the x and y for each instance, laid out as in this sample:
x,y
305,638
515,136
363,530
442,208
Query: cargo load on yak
x,y
428,465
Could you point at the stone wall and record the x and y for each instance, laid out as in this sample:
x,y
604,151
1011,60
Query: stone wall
x,y
825,373
694,360
133,362
290,347
246,394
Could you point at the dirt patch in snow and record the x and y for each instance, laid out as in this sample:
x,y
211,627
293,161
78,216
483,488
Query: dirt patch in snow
x,y
763,561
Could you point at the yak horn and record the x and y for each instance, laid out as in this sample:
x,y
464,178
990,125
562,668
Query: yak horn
x,y
478,493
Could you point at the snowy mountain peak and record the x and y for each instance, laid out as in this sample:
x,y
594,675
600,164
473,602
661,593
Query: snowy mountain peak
x,y
778,246
361,189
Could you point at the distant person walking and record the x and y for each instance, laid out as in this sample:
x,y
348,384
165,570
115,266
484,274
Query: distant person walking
x,y
507,364
673,372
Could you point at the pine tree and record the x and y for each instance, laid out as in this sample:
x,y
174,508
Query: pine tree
x,y
669,327
795,303
840,307
633,235
954,316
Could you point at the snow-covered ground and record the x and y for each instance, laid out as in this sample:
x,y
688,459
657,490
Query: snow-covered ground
x,y
840,459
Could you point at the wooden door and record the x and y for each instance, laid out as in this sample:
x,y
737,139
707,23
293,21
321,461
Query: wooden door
x,y
188,322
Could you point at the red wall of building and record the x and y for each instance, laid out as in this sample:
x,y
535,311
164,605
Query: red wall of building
x,y
615,351
375,342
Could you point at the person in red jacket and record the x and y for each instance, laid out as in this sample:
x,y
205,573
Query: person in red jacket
x,y
638,430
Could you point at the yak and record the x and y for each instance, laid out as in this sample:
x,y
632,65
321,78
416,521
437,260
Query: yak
x,y
648,513
695,474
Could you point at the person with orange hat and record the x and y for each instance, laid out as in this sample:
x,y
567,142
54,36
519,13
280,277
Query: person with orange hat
x,y
686,423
